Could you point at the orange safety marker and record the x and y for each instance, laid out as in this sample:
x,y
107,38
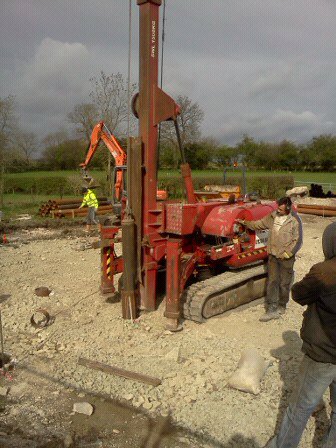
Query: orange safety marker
x,y
4,239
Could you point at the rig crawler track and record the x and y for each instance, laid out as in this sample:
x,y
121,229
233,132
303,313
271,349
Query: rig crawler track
x,y
223,292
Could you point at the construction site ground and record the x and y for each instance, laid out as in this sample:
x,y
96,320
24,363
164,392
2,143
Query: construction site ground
x,y
193,407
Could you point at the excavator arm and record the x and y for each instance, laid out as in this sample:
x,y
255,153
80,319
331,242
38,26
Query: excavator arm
x,y
101,133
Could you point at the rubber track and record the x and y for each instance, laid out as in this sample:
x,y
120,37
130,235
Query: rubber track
x,y
195,297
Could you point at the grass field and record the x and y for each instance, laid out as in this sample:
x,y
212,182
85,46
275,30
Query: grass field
x,y
19,203
299,176
38,174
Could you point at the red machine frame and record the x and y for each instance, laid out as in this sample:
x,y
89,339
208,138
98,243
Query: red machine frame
x,y
179,237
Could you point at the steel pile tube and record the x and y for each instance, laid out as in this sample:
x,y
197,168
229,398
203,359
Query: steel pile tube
x,y
128,292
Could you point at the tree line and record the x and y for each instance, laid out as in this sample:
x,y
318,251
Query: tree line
x,y
21,150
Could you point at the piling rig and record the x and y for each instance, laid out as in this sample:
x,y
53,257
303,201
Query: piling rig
x,y
211,263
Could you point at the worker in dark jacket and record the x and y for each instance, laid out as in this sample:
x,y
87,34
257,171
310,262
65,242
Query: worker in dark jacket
x,y
284,241
318,332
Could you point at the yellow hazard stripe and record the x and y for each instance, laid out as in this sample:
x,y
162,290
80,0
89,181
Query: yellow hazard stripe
x,y
108,264
249,254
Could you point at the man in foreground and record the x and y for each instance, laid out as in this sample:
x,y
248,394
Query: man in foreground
x,y
318,368
284,240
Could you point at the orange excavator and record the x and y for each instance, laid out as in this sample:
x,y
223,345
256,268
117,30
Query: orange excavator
x,y
101,133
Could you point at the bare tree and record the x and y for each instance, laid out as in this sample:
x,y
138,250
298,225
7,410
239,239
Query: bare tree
x,y
7,126
55,138
7,115
27,143
84,116
189,122
110,97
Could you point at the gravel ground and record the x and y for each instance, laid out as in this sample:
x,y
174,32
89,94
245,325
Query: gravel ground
x,y
194,364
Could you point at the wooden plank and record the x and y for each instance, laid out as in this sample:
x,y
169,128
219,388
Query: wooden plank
x,y
112,370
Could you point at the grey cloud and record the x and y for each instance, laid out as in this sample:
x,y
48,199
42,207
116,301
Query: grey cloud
x,y
243,61
253,26
56,65
292,76
53,80
282,124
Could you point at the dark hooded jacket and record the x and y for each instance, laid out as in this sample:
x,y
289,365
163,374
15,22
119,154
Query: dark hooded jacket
x,y
318,290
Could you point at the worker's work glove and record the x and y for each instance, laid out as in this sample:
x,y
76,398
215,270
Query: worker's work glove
x,y
287,255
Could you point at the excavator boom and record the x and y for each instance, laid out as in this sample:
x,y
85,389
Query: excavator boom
x,y
101,132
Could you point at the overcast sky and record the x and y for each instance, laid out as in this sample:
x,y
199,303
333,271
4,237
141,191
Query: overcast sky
x,y
262,67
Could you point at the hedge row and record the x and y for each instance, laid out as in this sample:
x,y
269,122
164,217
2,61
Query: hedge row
x,y
267,186
54,185
271,187
38,185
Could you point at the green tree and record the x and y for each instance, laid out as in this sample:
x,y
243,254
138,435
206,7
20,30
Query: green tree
x,y
265,156
324,146
224,155
308,160
288,155
67,155
268,155
198,155
247,149
167,156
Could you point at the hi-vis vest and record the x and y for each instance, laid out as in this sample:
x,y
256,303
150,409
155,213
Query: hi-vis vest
x,y
90,199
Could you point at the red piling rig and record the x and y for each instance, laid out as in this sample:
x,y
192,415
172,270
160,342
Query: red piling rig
x,y
180,237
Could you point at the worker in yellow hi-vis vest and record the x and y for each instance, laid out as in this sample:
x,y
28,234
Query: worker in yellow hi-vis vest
x,y
90,200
